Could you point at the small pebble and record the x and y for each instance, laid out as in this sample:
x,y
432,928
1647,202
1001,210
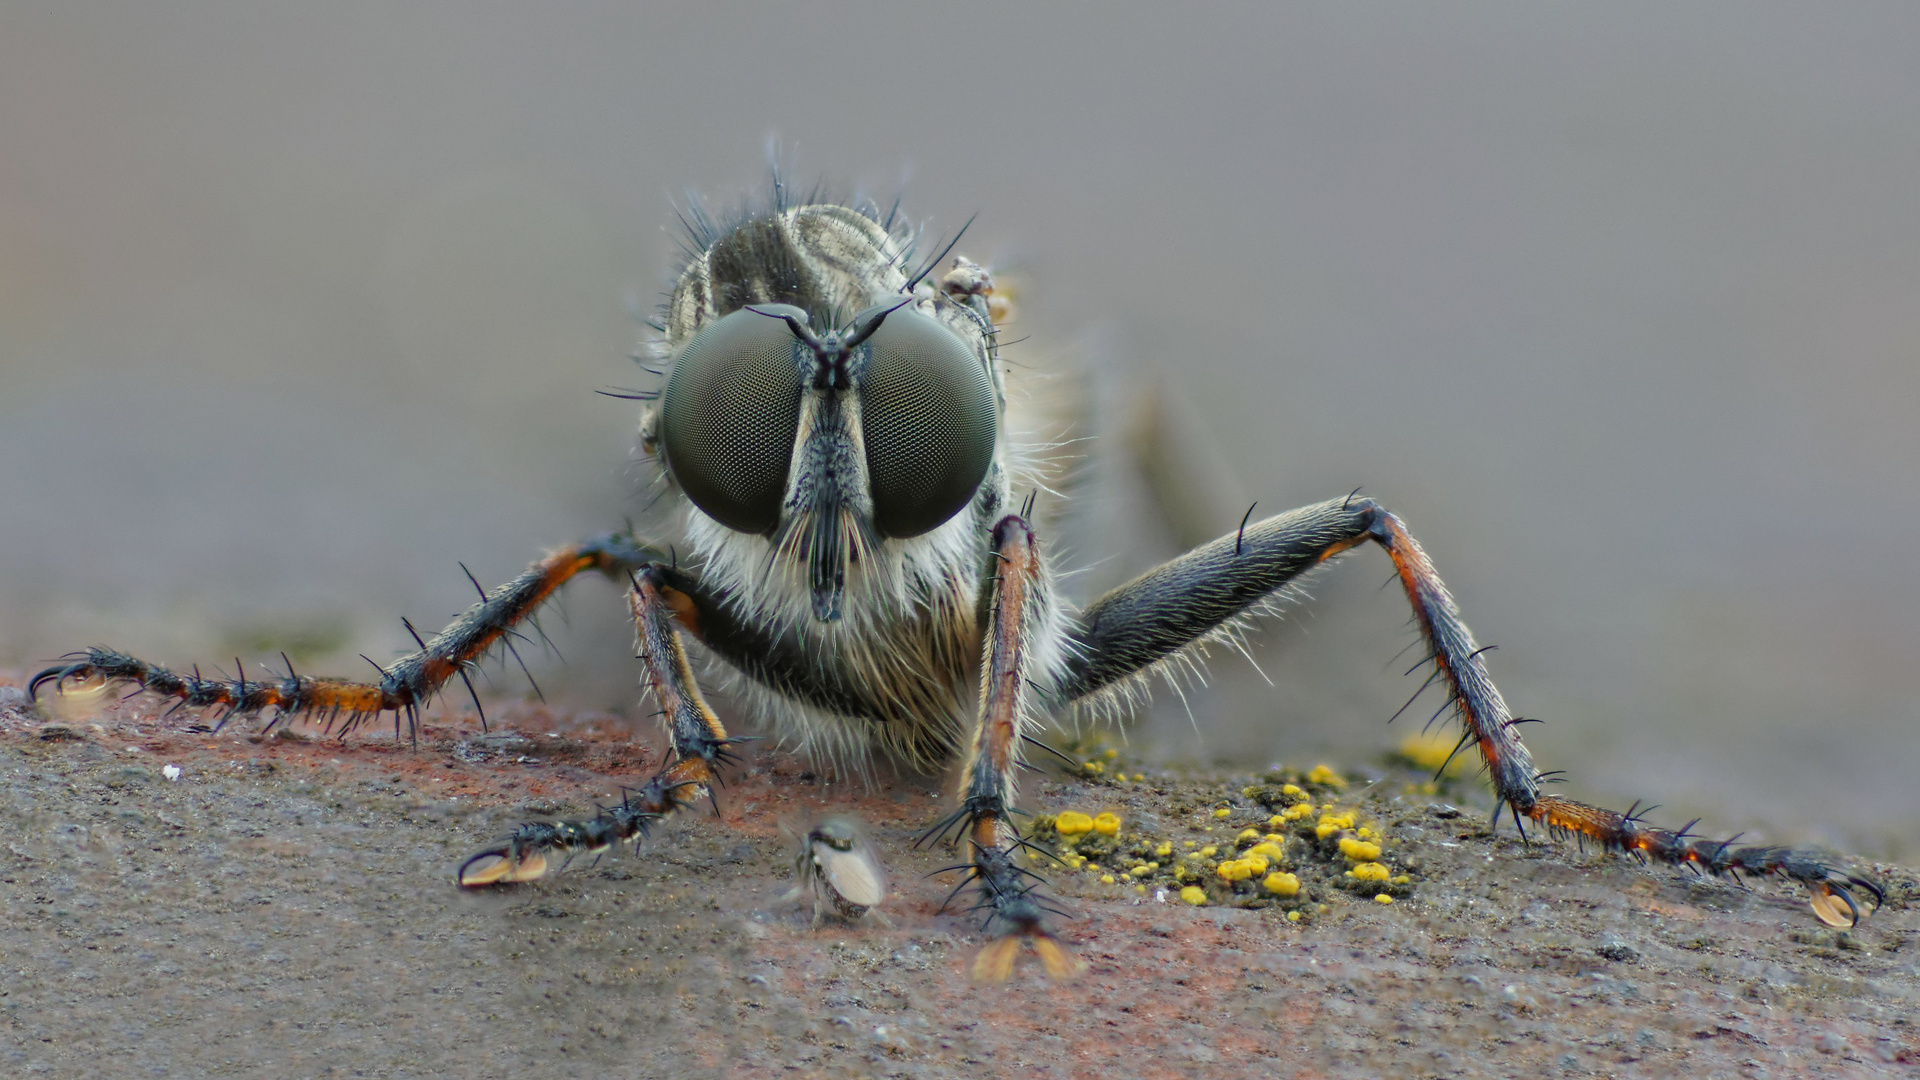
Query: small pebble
x,y
1612,948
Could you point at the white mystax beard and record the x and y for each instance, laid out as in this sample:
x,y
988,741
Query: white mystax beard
x,y
906,634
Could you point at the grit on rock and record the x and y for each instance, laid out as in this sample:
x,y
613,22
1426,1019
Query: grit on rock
x,y
190,903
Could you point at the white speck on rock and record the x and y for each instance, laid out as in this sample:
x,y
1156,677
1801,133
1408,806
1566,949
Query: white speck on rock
x,y
171,772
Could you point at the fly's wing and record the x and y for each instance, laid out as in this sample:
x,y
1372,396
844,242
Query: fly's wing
x,y
1050,423
1063,401
855,875
1186,474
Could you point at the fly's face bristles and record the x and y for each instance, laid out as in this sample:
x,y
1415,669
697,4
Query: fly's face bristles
x,y
835,426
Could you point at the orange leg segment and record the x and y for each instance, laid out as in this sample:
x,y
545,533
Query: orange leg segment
x,y
1150,619
700,746
1005,891
404,686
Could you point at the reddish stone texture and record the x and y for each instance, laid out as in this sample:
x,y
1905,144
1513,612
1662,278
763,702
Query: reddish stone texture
x,y
1504,960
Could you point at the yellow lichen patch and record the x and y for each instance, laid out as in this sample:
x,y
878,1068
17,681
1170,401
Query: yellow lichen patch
x,y
1359,850
1293,791
1223,812
1280,883
1326,777
1234,870
1369,871
1295,812
1331,824
1267,849
1072,823
1256,862
1142,870
1164,849
1107,823
1247,837
1093,768
1365,833
1383,898
1430,752
1106,879
1208,852
1110,753
1293,916
1194,894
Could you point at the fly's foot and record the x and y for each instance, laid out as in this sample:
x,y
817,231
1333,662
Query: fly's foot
x,y
984,818
526,855
701,756
1010,896
336,702
1832,888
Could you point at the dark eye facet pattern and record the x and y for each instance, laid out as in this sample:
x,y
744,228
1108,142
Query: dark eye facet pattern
x,y
729,416
928,416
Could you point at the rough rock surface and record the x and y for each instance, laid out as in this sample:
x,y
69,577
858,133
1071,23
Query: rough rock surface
x,y
283,906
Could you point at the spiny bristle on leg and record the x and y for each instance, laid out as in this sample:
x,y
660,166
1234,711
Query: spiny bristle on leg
x,y
1010,896
522,857
1831,888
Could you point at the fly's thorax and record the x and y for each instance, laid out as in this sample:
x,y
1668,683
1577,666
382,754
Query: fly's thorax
x,y
820,258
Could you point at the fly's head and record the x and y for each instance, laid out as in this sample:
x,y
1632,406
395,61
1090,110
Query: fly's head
x,y
822,415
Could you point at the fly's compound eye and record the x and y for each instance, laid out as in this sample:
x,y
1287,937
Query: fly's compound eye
x,y
929,417
730,413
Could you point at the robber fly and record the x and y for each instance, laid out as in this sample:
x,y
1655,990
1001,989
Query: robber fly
x,y
862,549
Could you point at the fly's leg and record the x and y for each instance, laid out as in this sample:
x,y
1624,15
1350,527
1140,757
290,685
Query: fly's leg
x,y
700,745
1149,621
404,687
1005,693
1016,609
524,855
700,742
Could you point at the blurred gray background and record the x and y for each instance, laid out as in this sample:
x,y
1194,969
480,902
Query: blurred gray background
x,y
1616,305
